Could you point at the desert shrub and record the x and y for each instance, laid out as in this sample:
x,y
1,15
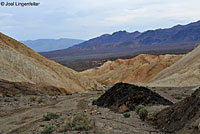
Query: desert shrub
x,y
33,98
53,93
41,99
8,95
50,116
177,96
6,99
48,129
1,99
143,113
80,121
64,128
94,102
16,99
139,107
127,115
18,95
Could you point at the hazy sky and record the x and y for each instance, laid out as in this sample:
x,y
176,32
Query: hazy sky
x,y
84,19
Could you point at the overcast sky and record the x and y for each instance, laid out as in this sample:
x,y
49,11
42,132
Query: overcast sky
x,y
85,19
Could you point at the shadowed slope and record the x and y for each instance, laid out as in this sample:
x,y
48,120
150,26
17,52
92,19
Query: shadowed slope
x,y
182,117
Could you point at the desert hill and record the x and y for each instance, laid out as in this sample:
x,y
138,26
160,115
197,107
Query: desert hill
x,y
140,69
21,64
186,72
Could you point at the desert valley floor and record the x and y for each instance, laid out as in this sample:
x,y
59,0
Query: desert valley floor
x,y
24,115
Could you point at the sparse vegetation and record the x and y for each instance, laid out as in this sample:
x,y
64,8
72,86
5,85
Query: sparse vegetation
x,y
16,99
80,121
185,94
64,128
143,113
48,129
6,99
8,95
177,96
33,98
41,99
94,101
53,93
50,116
139,107
18,95
127,115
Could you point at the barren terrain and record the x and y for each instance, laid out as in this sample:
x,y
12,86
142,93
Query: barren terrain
x,y
24,114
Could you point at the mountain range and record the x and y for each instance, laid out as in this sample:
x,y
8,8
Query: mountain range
x,y
179,33
179,39
44,45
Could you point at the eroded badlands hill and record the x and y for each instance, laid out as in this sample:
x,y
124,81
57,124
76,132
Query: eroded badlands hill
x,y
140,69
19,63
186,72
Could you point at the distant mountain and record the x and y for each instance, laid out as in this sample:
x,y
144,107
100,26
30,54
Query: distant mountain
x,y
44,45
176,34
117,37
176,40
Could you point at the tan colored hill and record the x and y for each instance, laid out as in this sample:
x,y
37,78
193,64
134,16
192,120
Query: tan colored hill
x,y
19,63
140,69
186,72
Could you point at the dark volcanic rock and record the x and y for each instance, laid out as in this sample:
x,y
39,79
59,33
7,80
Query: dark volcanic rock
x,y
128,95
182,117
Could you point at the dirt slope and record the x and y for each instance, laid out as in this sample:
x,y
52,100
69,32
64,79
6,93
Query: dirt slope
x,y
182,117
140,69
19,63
185,72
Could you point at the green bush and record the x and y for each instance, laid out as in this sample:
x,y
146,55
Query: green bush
x,y
48,129
143,113
18,95
127,115
41,99
50,116
139,107
80,121
6,99
64,128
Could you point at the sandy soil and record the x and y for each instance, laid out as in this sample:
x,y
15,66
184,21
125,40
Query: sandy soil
x,y
23,115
